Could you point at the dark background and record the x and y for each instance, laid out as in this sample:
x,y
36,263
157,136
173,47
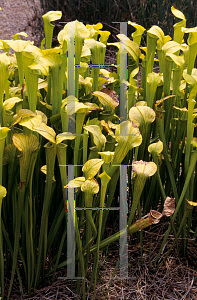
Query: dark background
x,y
145,13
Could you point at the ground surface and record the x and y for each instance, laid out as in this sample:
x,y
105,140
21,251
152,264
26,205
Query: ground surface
x,y
17,16
173,279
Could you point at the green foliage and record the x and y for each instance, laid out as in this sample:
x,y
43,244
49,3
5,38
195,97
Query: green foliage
x,y
145,13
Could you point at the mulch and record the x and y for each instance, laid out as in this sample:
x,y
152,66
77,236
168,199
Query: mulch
x,y
174,278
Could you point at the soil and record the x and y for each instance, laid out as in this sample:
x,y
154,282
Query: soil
x,y
172,278
20,16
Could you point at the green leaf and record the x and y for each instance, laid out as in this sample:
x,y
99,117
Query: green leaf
x,y
190,79
95,26
193,93
75,183
46,131
41,64
106,127
4,75
178,27
159,102
64,136
138,33
87,81
91,106
9,103
73,29
96,48
4,132
172,47
141,103
86,53
107,156
179,60
105,99
4,60
23,113
191,203
77,32
90,186
130,46
98,137
153,80
104,35
141,115
156,147
25,141
8,154
93,29
144,168
48,106
3,135
32,51
42,83
30,122
156,31
18,45
74,106
91,167
16,36
44,117
48,52
3,192
48,27
104,178
127,137
134,73
184,109
51,59
83,67
27,144
177,13
14,91
192,39
43,169
101,81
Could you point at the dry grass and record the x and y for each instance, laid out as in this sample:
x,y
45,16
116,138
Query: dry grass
x,y
175,278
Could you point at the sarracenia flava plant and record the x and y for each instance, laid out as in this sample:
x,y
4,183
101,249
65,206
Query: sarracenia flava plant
x,y
59,107
28,145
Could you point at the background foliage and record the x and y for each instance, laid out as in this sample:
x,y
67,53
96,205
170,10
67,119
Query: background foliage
x,y
145,13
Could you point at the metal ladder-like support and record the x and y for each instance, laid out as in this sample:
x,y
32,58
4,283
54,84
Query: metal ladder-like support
x,y
123,245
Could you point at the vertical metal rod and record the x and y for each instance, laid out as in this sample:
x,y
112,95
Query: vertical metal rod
x,y
123,250
71,226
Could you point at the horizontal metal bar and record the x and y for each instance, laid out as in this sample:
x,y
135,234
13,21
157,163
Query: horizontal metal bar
x,y
97,208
